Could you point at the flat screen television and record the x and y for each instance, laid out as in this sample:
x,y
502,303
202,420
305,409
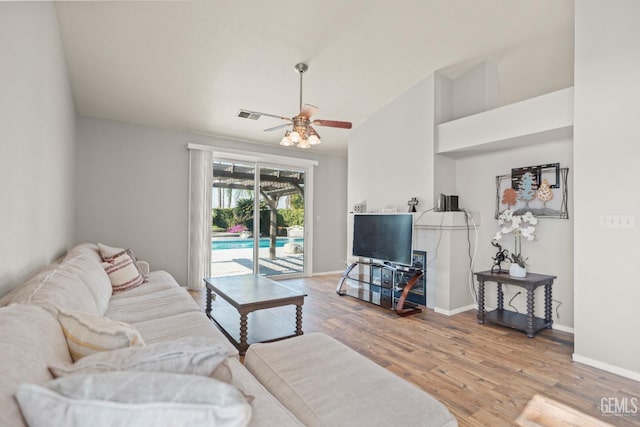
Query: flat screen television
x,y
384,237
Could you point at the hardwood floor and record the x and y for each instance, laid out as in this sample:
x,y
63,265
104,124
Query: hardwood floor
x,y
485,375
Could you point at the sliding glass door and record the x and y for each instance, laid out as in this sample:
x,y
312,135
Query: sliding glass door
x,y
258,219
281,221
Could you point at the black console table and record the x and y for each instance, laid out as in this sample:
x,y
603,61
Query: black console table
x,y
527,323
400,289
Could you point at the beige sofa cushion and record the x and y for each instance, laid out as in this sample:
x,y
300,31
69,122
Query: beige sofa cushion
x,y
87,333
57,286
87,249
95,279
323,382
134,399
30,339
190,355
152,306
156,281
267,410
191,324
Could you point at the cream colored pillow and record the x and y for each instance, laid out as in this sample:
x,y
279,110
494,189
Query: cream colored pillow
x,y
107,252
133,399
123,272
188,355
87,333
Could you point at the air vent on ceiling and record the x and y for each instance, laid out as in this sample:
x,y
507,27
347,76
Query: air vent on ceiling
x,y
244,114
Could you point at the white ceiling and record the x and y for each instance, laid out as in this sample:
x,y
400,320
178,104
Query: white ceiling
x,y
191,65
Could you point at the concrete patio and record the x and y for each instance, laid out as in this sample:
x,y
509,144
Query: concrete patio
x,y
234,262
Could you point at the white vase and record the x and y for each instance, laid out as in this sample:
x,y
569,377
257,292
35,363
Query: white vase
x,y
516,271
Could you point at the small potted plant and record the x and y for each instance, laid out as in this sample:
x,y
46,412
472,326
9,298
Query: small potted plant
x,y
520,226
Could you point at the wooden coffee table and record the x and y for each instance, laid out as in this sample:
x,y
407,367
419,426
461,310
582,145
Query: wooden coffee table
x,y
247,294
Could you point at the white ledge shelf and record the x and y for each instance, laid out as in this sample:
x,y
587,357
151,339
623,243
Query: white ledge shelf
x,y
454,220
536,120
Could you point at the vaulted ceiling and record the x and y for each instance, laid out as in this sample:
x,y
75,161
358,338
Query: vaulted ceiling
x,y
192,65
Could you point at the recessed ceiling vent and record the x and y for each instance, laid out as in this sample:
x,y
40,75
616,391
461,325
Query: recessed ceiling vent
x,y
244,114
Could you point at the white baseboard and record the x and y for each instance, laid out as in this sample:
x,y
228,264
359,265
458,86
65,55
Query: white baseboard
x,y
326,273
563,328
455,310
627,373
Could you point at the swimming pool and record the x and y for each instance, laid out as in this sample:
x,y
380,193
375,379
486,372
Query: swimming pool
x,y
237,243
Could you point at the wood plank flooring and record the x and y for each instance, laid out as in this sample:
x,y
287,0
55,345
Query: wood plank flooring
x,y
485,375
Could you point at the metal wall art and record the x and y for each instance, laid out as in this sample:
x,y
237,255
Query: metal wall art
x,y
541,190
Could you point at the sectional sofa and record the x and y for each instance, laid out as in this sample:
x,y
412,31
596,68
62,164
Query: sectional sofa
x,y
308,380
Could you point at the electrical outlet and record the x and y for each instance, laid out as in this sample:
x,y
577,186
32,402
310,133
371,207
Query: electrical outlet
x,y
617,221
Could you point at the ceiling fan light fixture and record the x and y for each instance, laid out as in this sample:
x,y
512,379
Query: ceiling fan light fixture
x,y
304,144
295,137
286,140
301,134
314,140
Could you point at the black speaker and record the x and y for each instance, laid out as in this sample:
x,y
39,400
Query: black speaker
x,y
448,203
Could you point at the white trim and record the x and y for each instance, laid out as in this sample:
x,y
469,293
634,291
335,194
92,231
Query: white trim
x,y
455,310
253,156
627,373
326,273
308,220
562,328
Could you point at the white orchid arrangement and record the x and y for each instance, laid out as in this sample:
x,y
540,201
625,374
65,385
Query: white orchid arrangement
x,y
521,226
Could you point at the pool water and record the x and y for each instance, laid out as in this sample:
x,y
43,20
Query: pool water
x,y
237,243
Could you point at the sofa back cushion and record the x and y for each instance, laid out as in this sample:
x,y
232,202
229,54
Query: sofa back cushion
x,y
87,249
57,286
30,339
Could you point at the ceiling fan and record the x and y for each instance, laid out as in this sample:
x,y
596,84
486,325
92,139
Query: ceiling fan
x,y
302,134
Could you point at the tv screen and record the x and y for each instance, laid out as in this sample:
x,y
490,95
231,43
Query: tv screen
x,y
384,237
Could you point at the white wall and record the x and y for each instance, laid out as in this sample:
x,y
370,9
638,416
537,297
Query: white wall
x,y
37,146
132,191
552,253
540,66
391,154
606,152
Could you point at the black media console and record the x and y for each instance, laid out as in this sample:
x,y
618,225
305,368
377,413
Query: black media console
x,y
402,289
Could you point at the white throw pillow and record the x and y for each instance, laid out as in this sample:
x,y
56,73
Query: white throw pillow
x,y
87,333
133,399
188,355
123,272
107,252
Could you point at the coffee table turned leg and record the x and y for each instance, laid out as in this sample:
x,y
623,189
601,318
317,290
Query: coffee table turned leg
x,y
299,319
208,307
243,345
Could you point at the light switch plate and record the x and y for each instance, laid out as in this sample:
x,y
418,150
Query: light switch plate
x,y
617,221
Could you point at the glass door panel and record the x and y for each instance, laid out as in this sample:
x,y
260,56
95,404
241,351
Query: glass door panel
x,y
232,228
281,221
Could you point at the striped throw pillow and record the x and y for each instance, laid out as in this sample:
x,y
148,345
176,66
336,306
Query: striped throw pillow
x,y
122,272
87,333
109,252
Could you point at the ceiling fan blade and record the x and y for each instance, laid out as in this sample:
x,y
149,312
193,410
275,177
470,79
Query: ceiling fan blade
x,y
333,124
308,110
278,127
268,115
